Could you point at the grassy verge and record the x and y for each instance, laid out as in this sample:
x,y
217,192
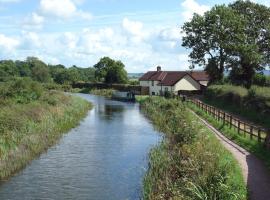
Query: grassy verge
x,y
252,146
29,126
190,163
252,105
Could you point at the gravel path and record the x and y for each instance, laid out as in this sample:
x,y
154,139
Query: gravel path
x,y
256,175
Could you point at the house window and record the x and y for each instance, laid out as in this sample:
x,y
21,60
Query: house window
x,y
152,83
153,93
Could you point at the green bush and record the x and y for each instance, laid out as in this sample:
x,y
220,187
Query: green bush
x,y
22,90
252,104
259,79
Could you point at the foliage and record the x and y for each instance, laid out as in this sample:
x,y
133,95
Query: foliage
x,y
190,163
252,104
259,79
110,71
102,92
210,37
7,69
22,90
28,128
41,72
235,36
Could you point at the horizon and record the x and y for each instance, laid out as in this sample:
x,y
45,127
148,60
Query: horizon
x,y
77,32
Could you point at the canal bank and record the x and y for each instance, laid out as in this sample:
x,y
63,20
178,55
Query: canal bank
x,y
103,158
29,129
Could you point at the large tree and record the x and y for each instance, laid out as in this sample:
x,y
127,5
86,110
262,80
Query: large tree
x,y
254,53
211,38
110,71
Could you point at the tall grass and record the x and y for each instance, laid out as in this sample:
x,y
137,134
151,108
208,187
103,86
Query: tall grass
x,y
190,163
27,128
252,104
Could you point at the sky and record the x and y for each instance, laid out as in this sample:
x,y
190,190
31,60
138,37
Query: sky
x,y
140,33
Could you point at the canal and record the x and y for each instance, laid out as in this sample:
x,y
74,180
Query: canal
x,y
104,158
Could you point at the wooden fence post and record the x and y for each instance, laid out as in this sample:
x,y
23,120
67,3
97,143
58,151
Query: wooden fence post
x,y
238,127
259,135
230,121
224,118
244,129
251,132
267,140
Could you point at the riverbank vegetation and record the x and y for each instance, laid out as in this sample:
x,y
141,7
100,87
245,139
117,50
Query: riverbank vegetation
x,y
190,163
251,104
31,120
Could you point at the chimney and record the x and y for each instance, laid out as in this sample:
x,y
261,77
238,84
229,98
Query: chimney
x,y
158,68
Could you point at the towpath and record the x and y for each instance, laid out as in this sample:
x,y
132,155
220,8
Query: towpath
x,y
256,175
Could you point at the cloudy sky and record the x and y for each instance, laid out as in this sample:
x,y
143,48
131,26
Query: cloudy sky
x,y
141,33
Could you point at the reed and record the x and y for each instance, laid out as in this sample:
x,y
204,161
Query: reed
x,y
190,163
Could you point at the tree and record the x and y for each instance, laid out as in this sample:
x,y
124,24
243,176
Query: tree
x,y
23,68
40,71
212,38
7,69
254,53
110,71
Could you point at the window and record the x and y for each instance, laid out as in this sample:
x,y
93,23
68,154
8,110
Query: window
x,y
153,93
166,89
153,83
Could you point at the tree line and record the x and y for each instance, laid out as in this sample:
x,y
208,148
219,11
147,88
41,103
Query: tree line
x,y
234,37
106,70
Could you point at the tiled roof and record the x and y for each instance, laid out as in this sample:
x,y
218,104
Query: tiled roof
x,y
199,75
170,78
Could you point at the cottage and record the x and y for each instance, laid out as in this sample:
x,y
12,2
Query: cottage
x,y
176,82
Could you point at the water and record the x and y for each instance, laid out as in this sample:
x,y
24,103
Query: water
x,y
104,158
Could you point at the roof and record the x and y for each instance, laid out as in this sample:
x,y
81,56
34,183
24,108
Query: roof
x,y
170,78
200,75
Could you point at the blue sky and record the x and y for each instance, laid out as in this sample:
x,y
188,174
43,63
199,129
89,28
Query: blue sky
x,y
141,33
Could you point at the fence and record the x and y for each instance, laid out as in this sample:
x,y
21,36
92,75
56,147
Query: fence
x,y
254,132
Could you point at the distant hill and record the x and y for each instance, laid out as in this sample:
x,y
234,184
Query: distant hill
x,y
134,75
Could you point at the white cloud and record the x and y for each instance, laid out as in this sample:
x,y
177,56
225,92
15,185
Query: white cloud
x,y
63,9
8,43
191,6
33,20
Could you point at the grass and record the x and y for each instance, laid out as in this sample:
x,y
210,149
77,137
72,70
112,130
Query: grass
x,y
100,92
252,105
252,146
141,98
190,163
28,128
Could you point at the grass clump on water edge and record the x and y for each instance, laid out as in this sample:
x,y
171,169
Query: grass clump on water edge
x,y
190,163
31,123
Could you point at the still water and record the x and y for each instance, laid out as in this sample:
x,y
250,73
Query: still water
x,y
104,158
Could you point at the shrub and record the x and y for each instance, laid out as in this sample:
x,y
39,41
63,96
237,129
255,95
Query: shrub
x,y
259,79
22,90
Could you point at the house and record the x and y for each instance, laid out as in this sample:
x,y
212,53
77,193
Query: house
x,y
176,82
